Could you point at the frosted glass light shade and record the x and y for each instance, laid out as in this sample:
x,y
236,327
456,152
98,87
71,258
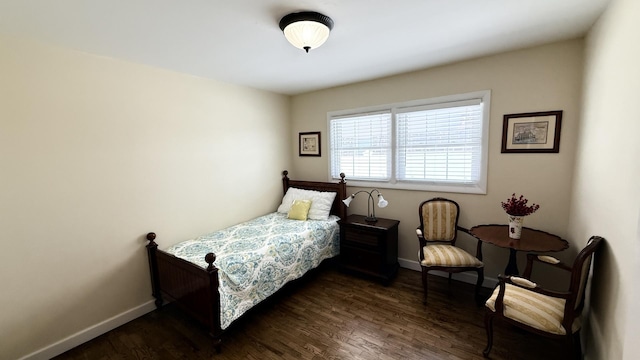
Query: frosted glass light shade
x,y
306,34
306,30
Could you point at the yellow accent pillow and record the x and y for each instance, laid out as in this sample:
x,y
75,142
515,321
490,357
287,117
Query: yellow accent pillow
x,y
299,210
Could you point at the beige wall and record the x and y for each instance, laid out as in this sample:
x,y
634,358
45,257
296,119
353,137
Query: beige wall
x,y
95,153
537,79
606,194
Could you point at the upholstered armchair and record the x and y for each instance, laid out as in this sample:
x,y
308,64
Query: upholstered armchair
x,y
521,302
437,234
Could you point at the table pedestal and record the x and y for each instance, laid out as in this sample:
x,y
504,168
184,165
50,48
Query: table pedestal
x,y
512,265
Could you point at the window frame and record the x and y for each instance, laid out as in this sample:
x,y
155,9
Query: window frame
x,y
480,187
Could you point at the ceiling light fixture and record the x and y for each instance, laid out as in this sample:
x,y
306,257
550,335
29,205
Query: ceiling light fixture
x,y
306,30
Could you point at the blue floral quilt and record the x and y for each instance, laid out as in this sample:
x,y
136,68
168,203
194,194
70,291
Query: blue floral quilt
x,y
258,257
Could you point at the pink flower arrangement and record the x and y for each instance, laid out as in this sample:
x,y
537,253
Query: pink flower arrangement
x,y
518,206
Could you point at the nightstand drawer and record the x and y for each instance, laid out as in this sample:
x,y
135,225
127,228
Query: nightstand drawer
x,y
361,237
360,259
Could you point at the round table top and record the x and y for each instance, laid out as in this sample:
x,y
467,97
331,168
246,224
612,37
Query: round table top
x,y
530,240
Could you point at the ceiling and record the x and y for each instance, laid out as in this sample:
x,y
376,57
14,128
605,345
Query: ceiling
x,y
239,41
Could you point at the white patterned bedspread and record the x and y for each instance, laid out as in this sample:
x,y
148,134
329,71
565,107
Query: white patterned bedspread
x,y
258,257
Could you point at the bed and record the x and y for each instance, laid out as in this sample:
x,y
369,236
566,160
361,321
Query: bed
x,y
217,277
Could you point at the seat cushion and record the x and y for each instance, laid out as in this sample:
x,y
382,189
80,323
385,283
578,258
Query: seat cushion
x,y
539,311
448,255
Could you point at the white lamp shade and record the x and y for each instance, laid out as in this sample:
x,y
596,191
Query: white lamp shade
x,y
382,202
348,200
306,34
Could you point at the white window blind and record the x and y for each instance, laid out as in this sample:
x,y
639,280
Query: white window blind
x,y
361,146
440,143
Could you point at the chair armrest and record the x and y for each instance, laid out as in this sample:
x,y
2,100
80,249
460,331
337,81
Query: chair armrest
x,y
531,286
423,243
523,282
548,259
545,259
465,230
479,243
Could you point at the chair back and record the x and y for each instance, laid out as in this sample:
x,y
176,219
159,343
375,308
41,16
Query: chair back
x,y
580,272
439,220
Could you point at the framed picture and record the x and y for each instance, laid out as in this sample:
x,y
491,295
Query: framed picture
x,y
537,132
310,143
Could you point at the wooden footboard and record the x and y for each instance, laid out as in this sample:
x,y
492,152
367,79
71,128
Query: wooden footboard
x,y
192,288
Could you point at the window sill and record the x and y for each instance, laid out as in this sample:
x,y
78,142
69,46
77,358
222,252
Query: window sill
x,y
480,189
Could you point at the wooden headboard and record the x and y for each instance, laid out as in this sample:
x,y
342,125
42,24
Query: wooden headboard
x,y
338,208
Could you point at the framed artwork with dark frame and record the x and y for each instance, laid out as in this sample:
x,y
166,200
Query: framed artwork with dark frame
x,y
537,132
309,144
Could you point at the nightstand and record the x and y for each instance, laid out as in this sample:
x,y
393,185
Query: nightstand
x,y
369,248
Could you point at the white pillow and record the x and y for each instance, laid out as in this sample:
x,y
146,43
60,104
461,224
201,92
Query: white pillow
x,y
321,202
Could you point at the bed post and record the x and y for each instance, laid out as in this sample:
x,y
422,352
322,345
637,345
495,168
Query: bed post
x,y
342,194
285,180
153,269
216,331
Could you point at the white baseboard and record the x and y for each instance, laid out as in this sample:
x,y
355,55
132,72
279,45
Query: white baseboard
x,y
94,331
466,277
89,333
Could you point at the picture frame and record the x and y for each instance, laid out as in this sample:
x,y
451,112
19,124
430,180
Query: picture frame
x,y
535,132
309,144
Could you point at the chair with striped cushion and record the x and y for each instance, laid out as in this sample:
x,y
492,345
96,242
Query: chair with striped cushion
x,y
523,303
437,233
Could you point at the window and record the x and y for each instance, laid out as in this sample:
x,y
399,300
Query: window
x,y
434,144
361,146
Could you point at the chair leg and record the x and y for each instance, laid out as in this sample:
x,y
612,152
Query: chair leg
x,y
488,326
424,284
479,286
577,346
573,348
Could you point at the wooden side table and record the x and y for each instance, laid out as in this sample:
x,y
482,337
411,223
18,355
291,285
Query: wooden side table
x,y
531,240
369,248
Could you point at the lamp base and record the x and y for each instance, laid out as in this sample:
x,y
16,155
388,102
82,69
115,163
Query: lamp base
x,y
371,219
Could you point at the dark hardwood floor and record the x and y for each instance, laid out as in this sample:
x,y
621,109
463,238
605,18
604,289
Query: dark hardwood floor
x,y
331,315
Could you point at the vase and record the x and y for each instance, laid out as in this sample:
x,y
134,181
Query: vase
x,y
515,226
